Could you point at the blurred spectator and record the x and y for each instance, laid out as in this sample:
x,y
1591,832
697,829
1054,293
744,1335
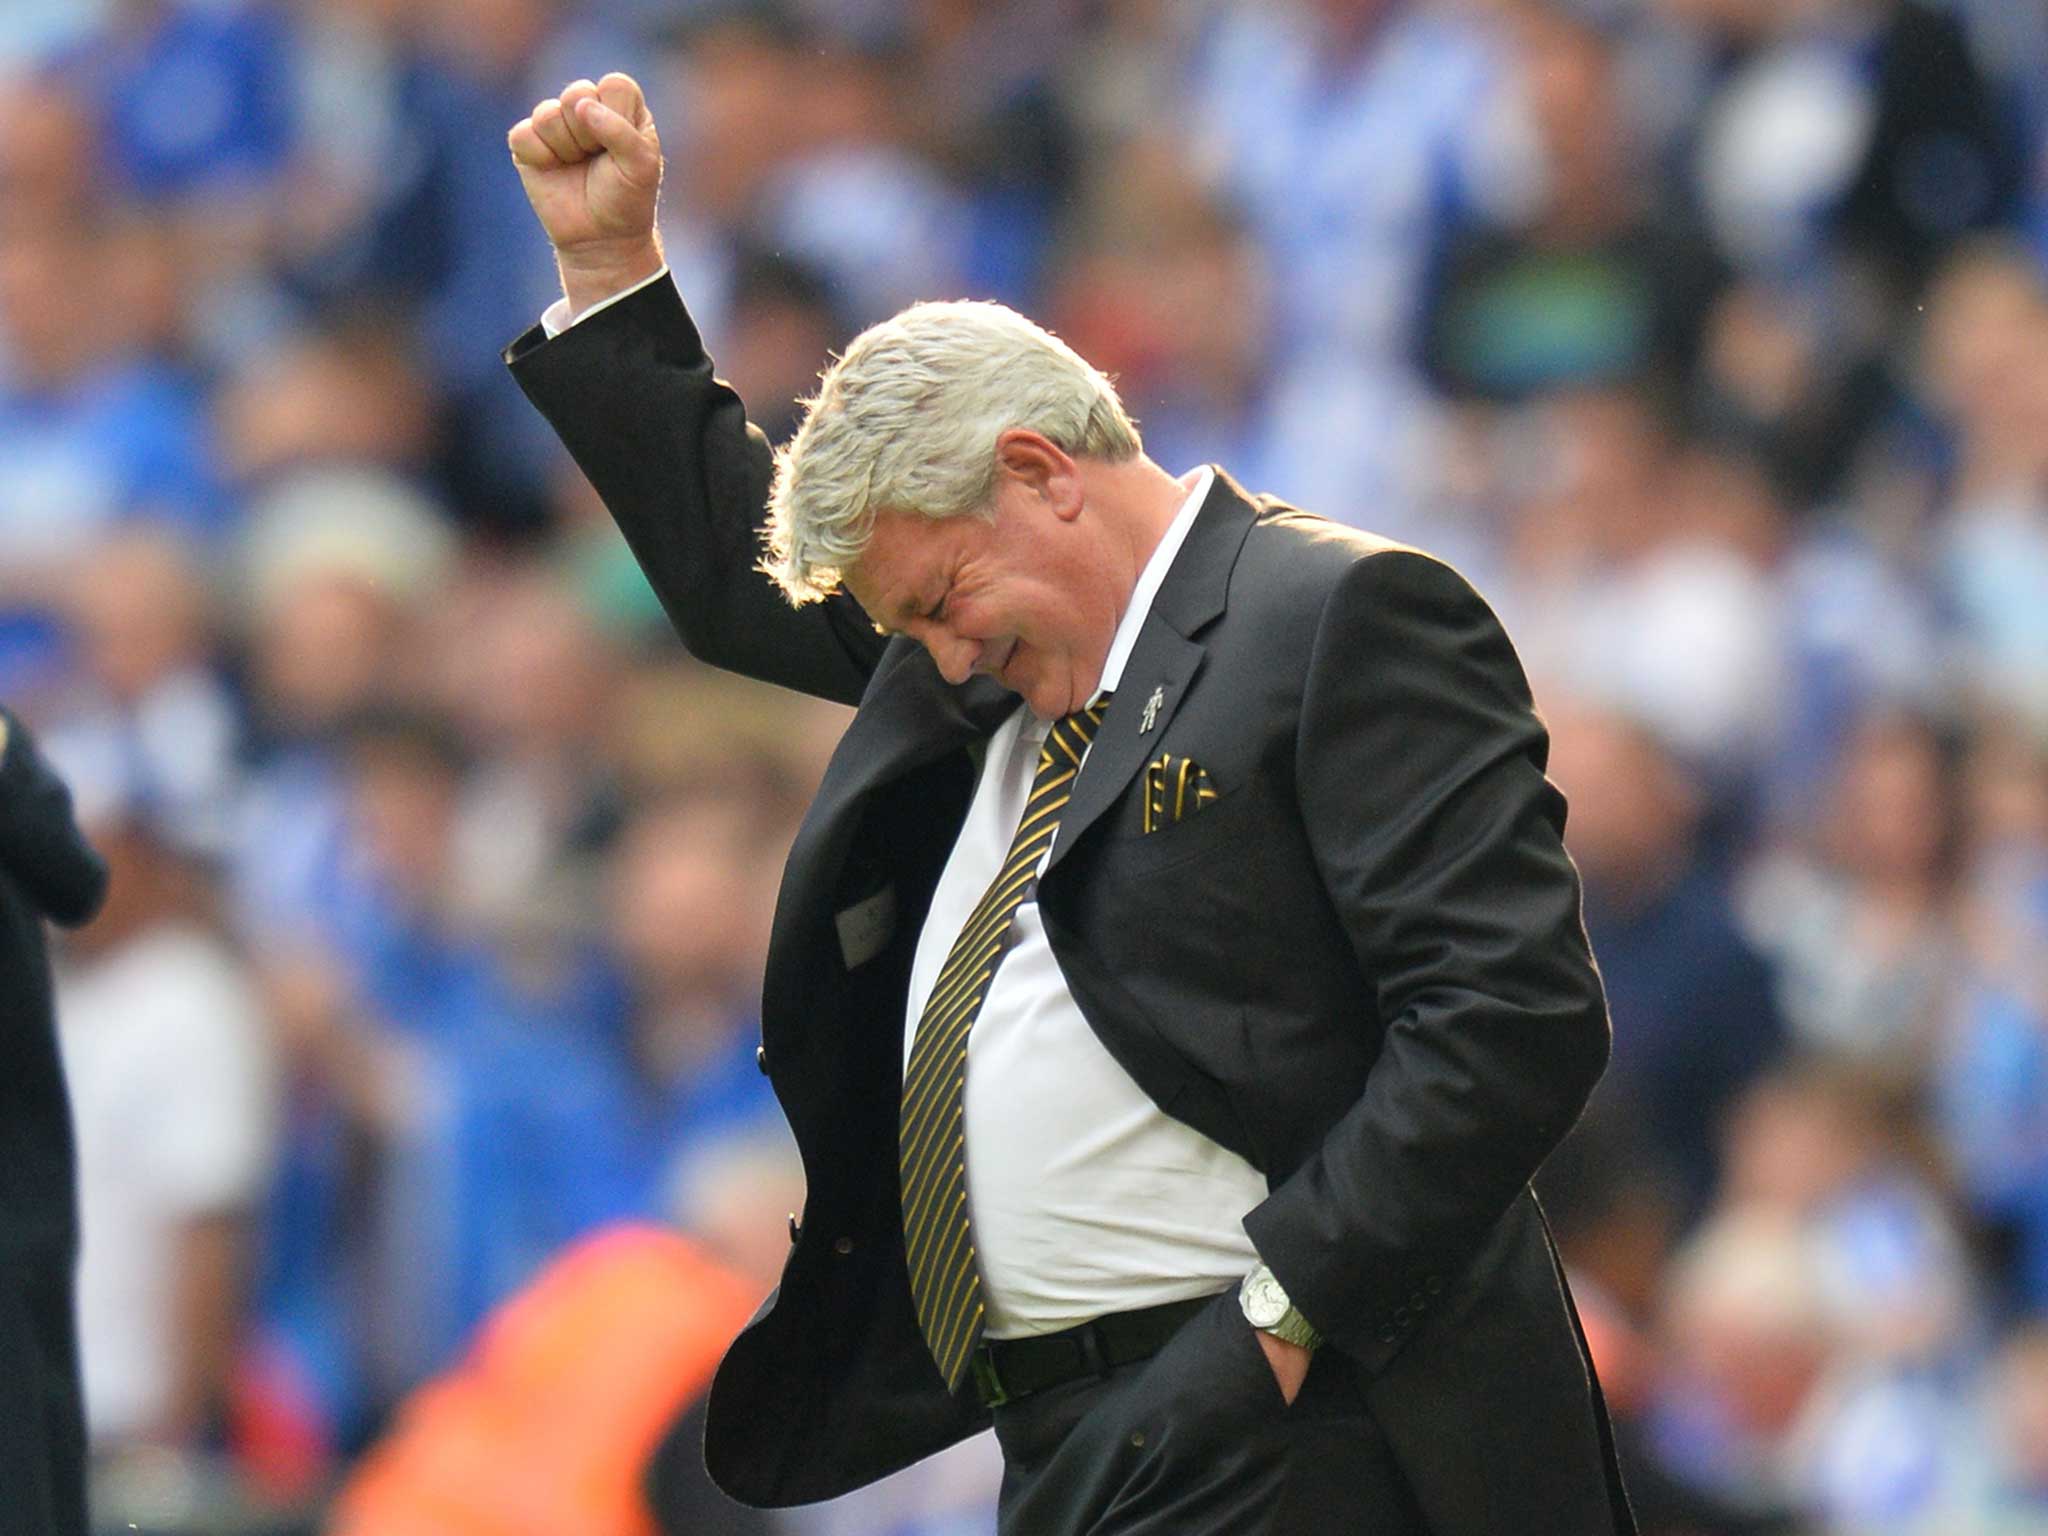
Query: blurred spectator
x,y
1880,1439
153,713
1615,593
856,199
1163,284
1613,1211
1694,1017
1597,288
1987,373
171,1074
1748,1341
1857,927
562,1399
691,899
784,321
193,99
1816,1325
1941,159
438,240
1840,118
337,567
1125,75
2019,1428
1991,1079
530,682
1612,1207
1004,123
1860,634
349,393
722,1203
47,169
1828,1146
732,72
1356,134
1794,375
596,562
464,1105
1846,145
95,431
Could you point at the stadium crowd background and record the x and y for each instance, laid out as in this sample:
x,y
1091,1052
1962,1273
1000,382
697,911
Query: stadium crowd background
x,y
1709,337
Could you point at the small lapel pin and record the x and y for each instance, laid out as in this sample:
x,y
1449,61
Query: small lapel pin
x,y
1151,715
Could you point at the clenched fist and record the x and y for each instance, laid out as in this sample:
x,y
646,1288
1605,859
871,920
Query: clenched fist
x,y
590,161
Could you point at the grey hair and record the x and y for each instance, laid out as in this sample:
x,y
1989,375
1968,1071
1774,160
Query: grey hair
x,y
907,421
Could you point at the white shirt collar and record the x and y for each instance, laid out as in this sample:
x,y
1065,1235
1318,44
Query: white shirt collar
x,y
1153,576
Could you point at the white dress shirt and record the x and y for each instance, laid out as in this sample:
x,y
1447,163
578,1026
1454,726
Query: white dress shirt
x,y
1085,1197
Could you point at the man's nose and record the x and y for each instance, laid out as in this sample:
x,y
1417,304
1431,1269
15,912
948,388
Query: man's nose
x,y
954,654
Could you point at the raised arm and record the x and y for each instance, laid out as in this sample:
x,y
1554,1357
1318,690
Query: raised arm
x,y
630,390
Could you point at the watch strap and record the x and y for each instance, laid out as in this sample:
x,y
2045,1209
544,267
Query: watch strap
x,y
1296,1329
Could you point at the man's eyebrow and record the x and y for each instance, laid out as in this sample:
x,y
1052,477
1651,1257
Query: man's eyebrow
x,y
909,606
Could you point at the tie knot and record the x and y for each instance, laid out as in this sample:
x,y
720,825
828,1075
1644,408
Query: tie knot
x,y
1070,734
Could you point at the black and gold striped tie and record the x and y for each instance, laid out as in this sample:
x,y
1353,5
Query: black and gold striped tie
x,y
945,1280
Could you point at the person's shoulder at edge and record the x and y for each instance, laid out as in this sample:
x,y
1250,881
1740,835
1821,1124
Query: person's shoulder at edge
x,y
41,847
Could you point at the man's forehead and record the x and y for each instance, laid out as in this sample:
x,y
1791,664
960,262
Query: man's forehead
x,y
892,563
902,548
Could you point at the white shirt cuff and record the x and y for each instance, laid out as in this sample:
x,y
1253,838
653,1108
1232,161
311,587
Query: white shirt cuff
x,y
556,318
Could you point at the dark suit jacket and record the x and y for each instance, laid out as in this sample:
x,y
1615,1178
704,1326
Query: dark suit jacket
x,y
1362,967
46,871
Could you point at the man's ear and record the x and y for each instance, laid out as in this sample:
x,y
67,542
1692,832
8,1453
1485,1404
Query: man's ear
x,y
1044,470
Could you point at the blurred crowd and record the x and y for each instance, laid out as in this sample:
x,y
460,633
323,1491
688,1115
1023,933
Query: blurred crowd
x,y
1708,337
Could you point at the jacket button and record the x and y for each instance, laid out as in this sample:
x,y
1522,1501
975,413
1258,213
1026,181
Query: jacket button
x,y
1388,1335
761,1058
843,1246
1434,1285
795,1227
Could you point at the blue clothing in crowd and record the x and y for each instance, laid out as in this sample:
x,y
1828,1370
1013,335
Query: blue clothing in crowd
x,y
1695,1018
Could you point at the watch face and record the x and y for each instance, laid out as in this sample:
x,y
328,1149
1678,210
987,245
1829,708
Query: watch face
x,y
1264,1302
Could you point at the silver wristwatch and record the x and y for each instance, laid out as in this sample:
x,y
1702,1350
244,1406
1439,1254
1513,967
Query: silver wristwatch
x,y
1267,1309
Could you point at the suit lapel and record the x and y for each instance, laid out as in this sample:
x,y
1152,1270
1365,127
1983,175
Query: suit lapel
x,y
1161,659
1165,659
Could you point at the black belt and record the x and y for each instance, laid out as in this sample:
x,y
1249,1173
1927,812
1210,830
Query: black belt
x,y
1007,1369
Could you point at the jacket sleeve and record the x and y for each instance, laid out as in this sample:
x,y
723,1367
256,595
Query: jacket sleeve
x,y
41,849
1420,777
631,393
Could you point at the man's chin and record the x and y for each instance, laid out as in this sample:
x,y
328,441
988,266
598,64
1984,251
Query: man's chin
x,y
1045,703
1052,701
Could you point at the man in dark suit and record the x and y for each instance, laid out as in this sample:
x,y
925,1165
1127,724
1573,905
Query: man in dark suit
x,y
1239,964
47,870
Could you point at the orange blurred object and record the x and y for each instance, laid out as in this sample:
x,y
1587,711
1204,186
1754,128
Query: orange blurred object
x,y
548,1424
